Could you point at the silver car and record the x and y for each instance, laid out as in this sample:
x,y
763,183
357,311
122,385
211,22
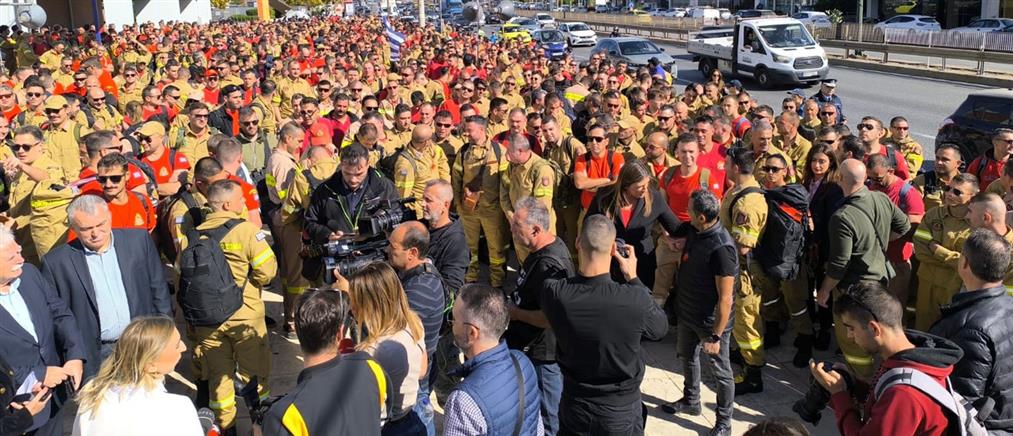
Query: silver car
x,y
634,51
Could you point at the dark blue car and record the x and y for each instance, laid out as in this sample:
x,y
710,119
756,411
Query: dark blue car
x,y
552,41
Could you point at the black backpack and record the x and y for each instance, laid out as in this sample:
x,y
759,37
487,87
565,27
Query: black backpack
x,y
208,294
779,250
164,220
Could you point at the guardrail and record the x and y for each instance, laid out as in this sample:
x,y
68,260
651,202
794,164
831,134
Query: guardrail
x,y
976,47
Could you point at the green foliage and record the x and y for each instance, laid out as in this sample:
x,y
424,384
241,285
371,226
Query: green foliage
x,y
220,4
239,17
835,16
251,12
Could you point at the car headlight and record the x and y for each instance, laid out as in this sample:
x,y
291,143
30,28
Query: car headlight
x,y
781,59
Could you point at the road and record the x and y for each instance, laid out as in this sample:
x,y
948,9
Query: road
x,y
924,102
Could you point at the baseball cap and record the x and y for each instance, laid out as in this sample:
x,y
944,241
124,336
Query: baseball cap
x,y
55,102
626,123
319,134
830,83
797,91
734,82
393,77
230,88
151,128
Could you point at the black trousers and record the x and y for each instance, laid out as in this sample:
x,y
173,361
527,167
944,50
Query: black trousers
x,y
601,416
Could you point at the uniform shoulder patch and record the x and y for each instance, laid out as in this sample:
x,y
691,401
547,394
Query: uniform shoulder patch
x,y
261,235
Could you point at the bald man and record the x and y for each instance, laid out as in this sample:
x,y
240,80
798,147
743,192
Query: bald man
x,y
418,163
859,233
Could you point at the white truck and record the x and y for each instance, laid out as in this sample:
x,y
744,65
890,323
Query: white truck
x,y
771,50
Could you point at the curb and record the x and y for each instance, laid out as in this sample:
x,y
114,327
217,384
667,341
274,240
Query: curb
x,y
907,70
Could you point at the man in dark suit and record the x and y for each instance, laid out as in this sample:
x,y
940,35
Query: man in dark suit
x,y
36,329
107,277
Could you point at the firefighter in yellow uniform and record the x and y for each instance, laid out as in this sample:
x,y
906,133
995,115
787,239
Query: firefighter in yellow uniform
x,y
189,141
745,216
938,242
527,175
239,345
450,143
401,134
36,172
61,133
561,152
476,179
418,163
321,167
282,166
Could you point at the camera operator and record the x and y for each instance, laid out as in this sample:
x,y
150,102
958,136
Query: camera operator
x,y
366,393
446,239
598,325
872,316
548,257
338,203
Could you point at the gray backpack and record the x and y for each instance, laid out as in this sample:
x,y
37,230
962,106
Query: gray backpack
x,y
960,410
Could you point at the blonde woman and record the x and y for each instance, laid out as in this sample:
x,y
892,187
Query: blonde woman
x,y
394,337
128,395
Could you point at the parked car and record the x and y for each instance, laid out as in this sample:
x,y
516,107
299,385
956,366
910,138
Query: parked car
x,y
984,25
970,127
578,34
545,20
726,14
601,9
634,51
910,22
552,41
705,13
641,16
674,12
813,18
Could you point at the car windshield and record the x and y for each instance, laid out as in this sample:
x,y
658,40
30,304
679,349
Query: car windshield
x,y
786,35
577,27
551,36
638,48
543,17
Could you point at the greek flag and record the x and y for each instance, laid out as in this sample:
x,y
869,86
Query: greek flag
x,y
395,39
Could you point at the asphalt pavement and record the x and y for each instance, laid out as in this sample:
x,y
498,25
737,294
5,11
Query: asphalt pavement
x,y
924,102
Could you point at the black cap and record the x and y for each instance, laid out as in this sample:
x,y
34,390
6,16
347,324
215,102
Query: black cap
x,y
230,88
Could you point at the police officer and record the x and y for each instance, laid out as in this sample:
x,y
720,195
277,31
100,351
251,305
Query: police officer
x,y
417,163
337,204
476,178
239,345
561,152
527,175
828,95
938,242
933,183
744,215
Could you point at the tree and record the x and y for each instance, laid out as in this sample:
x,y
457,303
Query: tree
x,y
220,4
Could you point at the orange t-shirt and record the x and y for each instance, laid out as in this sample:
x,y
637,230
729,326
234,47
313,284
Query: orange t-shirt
x,y
133,215
598,168
163,168
680,188
249,193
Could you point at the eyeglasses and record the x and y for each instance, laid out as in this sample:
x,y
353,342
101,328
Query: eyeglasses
x,y
116,178
309,111
128,75
865,126
33,94
444,125
23,147
771,169
597,138
251,123
828,114
903,128
200,115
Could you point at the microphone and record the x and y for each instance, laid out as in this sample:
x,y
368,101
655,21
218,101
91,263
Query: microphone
x,y
207,422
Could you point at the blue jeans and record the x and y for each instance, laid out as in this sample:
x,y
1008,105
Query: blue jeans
x,y
550,383
423,408
409,425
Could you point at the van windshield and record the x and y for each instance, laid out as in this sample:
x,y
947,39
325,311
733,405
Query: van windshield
x,y
786,36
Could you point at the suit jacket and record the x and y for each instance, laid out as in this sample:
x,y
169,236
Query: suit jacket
x,y
58,337
143,279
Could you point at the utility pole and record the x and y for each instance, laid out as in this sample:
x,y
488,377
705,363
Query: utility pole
x,y
861,18
422,13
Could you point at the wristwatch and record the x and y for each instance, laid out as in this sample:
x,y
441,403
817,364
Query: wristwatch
x,y
713,338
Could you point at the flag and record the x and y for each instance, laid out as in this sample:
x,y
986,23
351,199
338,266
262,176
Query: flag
x,y
395,39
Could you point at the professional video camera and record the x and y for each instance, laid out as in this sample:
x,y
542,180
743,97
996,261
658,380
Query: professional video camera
x,y
810,407
356,251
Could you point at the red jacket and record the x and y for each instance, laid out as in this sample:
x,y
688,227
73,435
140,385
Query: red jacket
x,y
902,410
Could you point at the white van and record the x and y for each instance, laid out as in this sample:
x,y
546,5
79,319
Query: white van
x,y
706,13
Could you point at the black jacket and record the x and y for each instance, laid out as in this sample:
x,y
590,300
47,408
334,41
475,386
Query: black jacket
x,y
143,280
11,421
221,120
981,323
329,211
447,251
551,262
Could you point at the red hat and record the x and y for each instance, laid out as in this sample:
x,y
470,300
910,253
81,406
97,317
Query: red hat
x,y
211,73
320,134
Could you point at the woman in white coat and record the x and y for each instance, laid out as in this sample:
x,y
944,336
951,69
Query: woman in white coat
x,y
128,395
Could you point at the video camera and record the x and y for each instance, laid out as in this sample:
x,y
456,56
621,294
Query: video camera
x,y
350,255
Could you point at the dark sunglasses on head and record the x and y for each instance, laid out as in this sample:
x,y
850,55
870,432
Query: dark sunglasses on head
x,y
114,178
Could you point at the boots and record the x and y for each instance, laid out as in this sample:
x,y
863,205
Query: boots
x,y
750,382
803,352
772,335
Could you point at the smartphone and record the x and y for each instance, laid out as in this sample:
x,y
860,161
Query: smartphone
x,y
622,248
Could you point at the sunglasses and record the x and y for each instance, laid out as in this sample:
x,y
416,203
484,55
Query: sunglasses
x,y
743,103
53,111
903,128
827,141
6,95
200,115
98,100
113,178
597,138
142,138
251,123
356,89
828,114
128,75
956,191
33,94
23,147
614,105
771,169
664,118
468,89
1005,141
82,79
865,126
444,125
371,108
324,89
